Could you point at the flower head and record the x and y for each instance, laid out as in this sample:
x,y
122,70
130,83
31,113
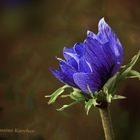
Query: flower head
x,y
93,62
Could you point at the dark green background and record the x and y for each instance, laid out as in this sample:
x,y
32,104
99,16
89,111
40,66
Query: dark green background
x,y
32,33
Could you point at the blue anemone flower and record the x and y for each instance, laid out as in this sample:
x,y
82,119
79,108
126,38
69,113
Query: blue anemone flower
x,y
93,62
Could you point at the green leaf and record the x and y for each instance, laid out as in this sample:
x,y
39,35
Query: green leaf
x,y
105,89
69,105
90,92
127,68
109,98
134,74
76,94
108,95
116,97
110,85
65,96
89,104
55,95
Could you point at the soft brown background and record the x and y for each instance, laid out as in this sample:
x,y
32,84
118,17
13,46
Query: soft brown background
x,y
32,33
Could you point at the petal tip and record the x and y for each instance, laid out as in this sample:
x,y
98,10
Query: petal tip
x,y
91,34
102,19
88,32
52,69
102,22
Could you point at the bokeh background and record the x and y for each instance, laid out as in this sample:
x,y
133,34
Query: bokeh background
x,y
32,33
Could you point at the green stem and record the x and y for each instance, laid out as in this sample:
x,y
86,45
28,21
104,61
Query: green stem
x,y
106,122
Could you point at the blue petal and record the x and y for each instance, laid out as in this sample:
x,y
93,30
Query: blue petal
x,y
71,57
110,57
74,56
73,63
91,34
100,58
95,54
106,34
65,74
69,53
79,49
66,68
58,74
84,66
83,80
114,63
68,50
68,71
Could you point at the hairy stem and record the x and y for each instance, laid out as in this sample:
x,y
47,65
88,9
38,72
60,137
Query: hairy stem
x,y
106,122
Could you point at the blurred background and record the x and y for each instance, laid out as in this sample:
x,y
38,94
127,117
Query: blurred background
x,y
32,33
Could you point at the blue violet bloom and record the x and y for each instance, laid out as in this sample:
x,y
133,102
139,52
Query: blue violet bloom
x,y
93,62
